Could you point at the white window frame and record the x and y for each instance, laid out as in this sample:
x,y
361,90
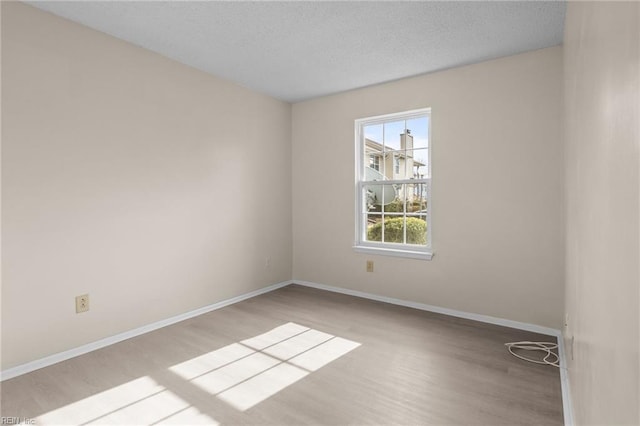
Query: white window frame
x,y
361,245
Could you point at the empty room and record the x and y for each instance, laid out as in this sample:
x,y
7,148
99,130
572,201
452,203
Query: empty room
x,y
320,213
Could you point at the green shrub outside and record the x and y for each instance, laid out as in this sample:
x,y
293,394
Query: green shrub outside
x,y
393,230
396,206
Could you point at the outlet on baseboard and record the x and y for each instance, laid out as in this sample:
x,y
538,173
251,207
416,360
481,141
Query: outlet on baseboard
x,y
82,303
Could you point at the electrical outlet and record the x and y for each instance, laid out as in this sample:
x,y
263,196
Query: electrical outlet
x,y
267,262
82,303
369,265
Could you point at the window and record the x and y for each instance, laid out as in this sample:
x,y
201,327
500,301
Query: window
x,y
374,161
393,184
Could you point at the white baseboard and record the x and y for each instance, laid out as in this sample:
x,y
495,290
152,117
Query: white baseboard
x,y
446,311
62,356
81,350
567,408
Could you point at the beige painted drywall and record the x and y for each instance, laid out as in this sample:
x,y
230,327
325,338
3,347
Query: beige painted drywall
x,y
497,189
153,187
602,131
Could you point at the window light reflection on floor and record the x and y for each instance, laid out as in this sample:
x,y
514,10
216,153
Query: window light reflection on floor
x,y
246,373
141,400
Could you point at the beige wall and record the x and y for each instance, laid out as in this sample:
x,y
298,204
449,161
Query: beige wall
x,y
497,189
114,183
602,146
153,187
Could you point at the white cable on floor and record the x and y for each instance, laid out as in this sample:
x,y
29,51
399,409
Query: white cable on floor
x,y
551,358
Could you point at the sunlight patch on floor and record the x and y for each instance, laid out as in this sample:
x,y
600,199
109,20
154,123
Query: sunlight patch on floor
x,y
230,375
318,357
274,336
297,344
246,373
260,387
210,361
142,401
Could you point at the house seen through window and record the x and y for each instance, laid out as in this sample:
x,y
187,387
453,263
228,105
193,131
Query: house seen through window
x,y
393,175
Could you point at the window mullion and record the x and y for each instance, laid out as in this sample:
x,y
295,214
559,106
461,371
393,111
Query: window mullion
x,y
382,216
404,213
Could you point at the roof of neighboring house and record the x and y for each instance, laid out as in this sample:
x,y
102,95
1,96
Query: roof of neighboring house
x,y
373,144
377,147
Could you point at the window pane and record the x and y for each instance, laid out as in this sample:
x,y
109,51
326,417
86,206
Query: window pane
x,y
417,163
374,230
417,226
373,132
392,132
394,229
395,206
419,132
416,229
372,152
417,198
378,195
372,163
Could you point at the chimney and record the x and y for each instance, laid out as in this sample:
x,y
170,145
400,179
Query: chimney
x,y
406,142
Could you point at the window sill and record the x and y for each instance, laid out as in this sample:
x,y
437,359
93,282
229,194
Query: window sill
x,y
408,254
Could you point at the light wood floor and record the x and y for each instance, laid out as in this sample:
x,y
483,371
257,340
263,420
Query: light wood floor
x,y
344,360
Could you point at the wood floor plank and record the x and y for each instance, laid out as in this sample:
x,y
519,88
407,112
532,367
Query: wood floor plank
x,y
385,365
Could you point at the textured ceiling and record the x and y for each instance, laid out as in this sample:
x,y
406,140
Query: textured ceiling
x,y
299,50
